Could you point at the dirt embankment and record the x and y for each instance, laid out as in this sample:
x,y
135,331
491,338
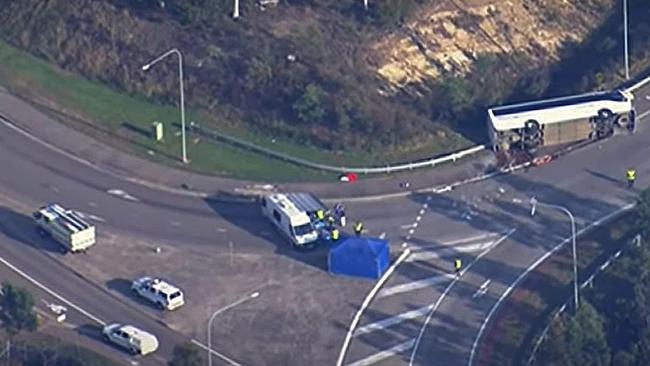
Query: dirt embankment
x,y
449,35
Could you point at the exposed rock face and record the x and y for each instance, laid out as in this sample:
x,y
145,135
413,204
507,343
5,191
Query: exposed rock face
x,y
449,35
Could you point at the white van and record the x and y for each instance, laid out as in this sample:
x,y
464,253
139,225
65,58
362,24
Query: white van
x,y
131,338
284,211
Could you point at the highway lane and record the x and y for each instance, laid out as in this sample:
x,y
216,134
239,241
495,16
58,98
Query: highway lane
x,y
590,182
17,248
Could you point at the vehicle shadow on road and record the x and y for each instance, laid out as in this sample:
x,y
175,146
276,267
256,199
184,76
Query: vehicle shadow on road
x,y
248,217
22,228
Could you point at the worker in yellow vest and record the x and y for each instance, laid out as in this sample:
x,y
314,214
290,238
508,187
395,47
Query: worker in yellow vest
x,y
320,215
358,228
457,266
334,235
631,177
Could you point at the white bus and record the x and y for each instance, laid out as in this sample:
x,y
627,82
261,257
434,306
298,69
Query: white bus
x,y
291,214
560,120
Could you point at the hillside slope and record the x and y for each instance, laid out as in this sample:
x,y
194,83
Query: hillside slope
x,y
325,73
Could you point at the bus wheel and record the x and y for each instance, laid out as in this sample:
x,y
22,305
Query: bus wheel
x,y
605,115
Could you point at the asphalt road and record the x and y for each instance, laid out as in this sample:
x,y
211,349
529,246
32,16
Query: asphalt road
x,y
423,315
465,222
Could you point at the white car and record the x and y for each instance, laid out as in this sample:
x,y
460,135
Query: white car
x,y
165,295
136,341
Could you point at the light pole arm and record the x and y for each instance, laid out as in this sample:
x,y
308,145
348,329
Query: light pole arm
x,y
161,57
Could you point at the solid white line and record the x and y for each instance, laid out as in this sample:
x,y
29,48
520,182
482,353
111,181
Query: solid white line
x,y
51,292
221,356
366,302
393,320
384,354
414,285
444,294
531,268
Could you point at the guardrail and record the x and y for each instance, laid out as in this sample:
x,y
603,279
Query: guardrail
x,y
588,282
215,135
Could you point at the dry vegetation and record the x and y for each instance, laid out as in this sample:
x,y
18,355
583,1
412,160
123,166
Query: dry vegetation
x,y
403,75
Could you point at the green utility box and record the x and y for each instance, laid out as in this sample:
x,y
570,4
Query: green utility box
x,y
157,131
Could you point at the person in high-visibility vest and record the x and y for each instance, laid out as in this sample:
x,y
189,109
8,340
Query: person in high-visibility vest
x,y
320,214
631,177
457,265
358,228
335,235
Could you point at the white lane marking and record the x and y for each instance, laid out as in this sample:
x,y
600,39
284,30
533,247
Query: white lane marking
x,y
424,253
411,231
366,302
418,218
482,290
393,320
382,235
422,210
449,287
379,356
221,230
175,223
415,225
90,216
92,204
51,292
531,268
404,227
643,115
516,200
220,355
121,193
471,238
415,285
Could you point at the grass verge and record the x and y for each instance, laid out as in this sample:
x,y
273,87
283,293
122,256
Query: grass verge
x,y
106,114
522,317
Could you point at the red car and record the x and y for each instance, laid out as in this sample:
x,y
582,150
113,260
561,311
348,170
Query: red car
x,y
348,177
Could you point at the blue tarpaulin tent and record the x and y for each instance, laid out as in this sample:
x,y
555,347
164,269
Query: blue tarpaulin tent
x,y
359,257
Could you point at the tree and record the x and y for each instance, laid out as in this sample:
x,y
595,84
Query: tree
x,y
17,309
186,355
309,107
586,338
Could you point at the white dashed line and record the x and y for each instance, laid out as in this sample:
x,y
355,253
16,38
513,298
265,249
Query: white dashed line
x,y
418,218
411,231
414,285
422,211
385,354
121,193
393,320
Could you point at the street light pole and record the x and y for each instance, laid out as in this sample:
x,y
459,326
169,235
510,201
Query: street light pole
x,y
182,96
235,13
214,315
534,203
625,35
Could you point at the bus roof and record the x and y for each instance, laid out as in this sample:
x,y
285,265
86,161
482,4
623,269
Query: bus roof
x,y
615,96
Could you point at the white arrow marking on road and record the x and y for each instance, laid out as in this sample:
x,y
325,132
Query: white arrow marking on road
x,y
482,290
414,285
389,322
385,354
121,193
90,216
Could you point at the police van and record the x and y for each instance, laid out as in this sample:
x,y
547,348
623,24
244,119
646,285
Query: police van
x,y
291,214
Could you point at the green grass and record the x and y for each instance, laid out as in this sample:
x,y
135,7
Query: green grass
x,y
81,102
109,112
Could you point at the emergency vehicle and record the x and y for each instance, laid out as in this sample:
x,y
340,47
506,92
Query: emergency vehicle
x,y
292,215
66,227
